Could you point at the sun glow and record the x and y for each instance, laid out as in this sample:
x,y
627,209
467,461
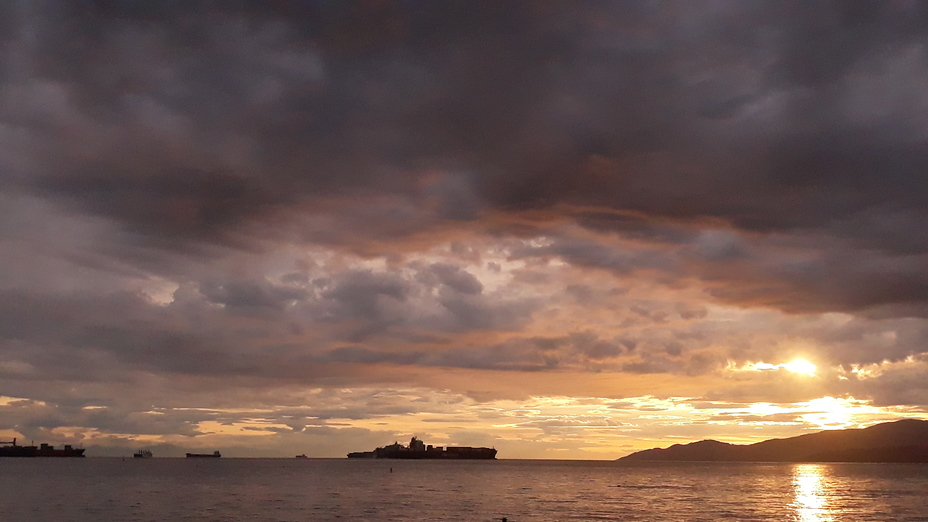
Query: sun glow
x,y
830,413
800,366
796,366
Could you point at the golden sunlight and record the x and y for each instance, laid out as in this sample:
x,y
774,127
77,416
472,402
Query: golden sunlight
x,y
830,413
796,366
800,366
808,484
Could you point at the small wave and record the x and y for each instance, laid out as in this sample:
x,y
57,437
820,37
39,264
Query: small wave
x,y
651,486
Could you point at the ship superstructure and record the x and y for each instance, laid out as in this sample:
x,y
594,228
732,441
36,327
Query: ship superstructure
x,y
11,449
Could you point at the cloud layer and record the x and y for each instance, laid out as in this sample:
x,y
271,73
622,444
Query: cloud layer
x,y
253,220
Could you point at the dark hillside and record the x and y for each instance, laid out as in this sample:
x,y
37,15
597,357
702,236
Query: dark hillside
x,y
901,441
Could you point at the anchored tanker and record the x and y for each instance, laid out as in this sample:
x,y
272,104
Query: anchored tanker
x,y
213,455
418,450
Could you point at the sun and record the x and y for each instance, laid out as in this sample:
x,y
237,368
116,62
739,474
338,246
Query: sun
x,y
800,366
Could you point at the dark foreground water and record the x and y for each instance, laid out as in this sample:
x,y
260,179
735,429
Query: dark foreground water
x,y
101,489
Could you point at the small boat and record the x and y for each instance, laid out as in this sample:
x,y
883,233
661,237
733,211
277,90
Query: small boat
x,y
302,456
213,455
142,454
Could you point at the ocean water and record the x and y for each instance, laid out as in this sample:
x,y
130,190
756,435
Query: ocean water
x,y
107,489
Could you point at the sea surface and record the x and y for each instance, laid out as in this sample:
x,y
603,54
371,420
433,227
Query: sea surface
x,y
113,489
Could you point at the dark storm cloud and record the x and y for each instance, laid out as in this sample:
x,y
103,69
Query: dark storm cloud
x,y
809,272
455,278
655,107
248,327
581,350
88,337
243,294
193,123
437,297
769,154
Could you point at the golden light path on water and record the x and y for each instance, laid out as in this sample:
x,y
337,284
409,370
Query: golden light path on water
x,y
811,496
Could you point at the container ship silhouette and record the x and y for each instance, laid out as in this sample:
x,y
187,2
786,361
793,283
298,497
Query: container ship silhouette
x,y
419,450
44,450
213,455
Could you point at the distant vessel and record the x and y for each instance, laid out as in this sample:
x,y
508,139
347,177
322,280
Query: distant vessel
x,y
419,450
143,454
302,456
213,455
44,450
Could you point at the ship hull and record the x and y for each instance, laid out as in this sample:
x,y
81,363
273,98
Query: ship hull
x,y
361,455
449,454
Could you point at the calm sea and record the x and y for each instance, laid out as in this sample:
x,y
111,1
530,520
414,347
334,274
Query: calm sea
x,y
104,489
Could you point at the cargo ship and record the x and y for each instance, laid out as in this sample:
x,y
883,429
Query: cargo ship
x,y
419,450
213,455
142,454
44,450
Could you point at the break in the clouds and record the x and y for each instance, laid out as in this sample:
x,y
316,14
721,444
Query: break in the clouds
x,y
561,229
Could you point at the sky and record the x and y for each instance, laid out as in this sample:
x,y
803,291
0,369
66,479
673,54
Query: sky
x,y
566,230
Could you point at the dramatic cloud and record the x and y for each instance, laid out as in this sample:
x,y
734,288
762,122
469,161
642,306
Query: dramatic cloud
x,y
295,225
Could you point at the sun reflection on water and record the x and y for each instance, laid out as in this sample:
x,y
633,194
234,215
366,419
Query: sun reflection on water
x,y
811,498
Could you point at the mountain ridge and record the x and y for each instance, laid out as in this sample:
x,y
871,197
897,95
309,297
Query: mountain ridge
x,y
904,440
